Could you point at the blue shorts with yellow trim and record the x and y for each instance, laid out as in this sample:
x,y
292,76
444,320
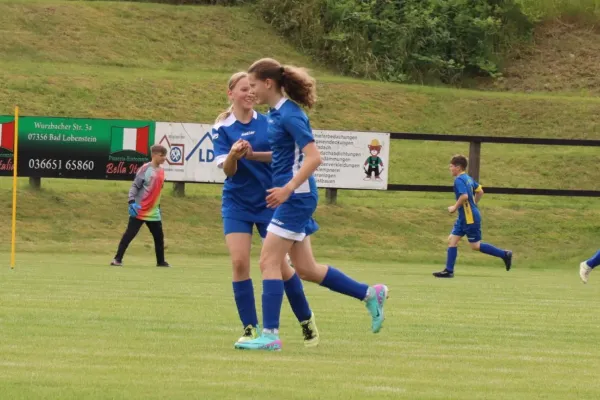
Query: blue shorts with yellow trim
x,y
472,231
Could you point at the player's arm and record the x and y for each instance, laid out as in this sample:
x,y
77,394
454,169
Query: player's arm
x,y
461,200
461,189
136,185
478,192
312,161
478,195
238,150
225,157
260,156
302,134
305,141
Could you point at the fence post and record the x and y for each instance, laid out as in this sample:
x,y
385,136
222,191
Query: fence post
x,y
474,159
35,182
179,189
331,196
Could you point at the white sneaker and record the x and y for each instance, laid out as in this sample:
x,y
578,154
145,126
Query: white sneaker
x,y
584,272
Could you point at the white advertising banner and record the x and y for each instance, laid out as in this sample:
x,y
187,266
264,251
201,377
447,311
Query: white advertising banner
x,y
190,152
351,160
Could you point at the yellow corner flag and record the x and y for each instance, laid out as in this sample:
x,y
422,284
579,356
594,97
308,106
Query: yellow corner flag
x,y
14,199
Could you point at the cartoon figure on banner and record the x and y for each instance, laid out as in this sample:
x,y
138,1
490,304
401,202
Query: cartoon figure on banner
x,y
374,163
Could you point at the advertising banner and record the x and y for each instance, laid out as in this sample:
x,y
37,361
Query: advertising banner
x,y
83,148
353,160
190,152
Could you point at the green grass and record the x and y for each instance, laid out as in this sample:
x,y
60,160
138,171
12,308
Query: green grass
x,y
149,61
74,328
83,217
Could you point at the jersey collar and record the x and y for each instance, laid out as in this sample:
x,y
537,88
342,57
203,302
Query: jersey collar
x,y
280,103
254,116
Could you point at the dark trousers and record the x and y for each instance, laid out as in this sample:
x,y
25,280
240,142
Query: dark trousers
x,y
133,227
373,169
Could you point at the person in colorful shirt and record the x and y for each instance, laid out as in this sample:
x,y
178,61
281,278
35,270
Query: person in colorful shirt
x,y
144,206
467,193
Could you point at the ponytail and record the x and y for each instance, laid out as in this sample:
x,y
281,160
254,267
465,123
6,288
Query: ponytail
x,y
296,82
299,85
224,115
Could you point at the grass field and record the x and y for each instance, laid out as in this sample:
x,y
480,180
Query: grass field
x,y
74,328
83,217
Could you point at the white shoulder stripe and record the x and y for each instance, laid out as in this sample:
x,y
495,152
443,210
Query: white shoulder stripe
x,y
226,122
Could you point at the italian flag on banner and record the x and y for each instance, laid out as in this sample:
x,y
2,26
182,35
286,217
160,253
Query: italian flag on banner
x,y
135,139
7,135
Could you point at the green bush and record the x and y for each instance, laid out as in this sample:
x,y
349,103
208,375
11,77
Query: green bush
x,y
192,2
401,40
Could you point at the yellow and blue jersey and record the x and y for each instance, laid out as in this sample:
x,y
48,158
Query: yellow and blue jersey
x,y
244,193
468,213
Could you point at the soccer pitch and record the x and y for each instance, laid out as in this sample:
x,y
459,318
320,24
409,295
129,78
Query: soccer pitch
x,y
72,327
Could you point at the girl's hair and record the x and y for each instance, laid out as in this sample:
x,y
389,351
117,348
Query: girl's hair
x,y
233,81
295,81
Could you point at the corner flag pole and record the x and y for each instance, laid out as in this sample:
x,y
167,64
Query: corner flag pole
x,y
14,198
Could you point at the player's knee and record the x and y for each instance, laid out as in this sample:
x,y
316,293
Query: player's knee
x,y
241,267
268,262
475,246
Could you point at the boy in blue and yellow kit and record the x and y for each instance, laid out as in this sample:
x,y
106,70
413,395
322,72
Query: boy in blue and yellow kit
x,y
468,193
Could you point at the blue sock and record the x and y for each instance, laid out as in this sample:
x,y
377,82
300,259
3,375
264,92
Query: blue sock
x,y
487,248
295,294
243,292
337,281
594,261
271,302
451,260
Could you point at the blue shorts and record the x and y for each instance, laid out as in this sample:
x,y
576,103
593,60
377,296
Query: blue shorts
x,y
231,225
293,219
473,231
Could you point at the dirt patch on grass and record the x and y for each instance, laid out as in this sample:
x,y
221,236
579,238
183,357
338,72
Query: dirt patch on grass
x,y
562,57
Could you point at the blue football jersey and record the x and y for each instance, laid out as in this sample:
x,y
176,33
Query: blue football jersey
x,y
289,133
468,212
244,193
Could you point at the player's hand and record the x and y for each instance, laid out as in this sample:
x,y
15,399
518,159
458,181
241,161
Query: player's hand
x,y
452,209
133,209
277,196
239,149
249,151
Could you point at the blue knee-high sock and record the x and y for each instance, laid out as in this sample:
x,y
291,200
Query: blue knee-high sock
x,y
271,302
487,248
451,259
295,294
594,261
337,281
243,292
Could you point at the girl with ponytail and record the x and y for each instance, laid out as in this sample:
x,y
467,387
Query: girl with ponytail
x,y
294,196
240,144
